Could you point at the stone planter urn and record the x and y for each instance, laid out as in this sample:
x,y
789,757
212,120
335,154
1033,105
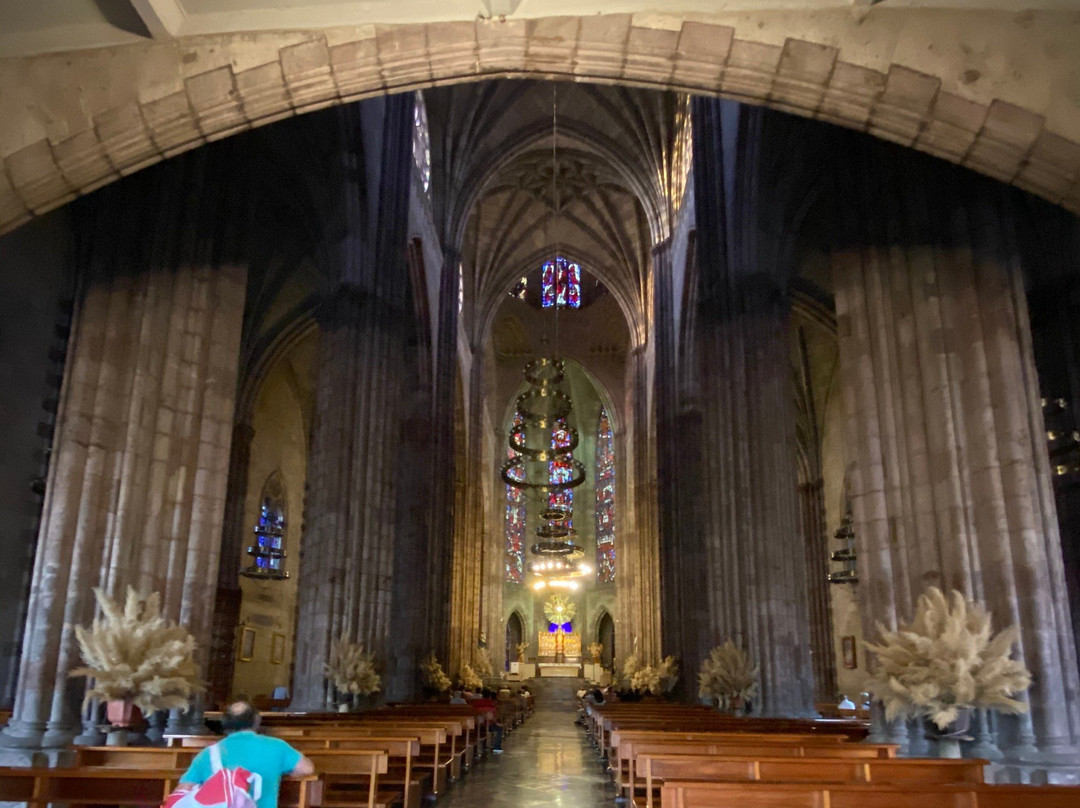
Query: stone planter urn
x,y
948,740
121,714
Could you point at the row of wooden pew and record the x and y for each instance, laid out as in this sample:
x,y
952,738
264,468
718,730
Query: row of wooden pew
x,y
676,756
387,758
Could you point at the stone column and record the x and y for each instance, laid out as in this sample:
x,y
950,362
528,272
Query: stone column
x,y
749,523
468,574
638,564
443,457
948,467
345,585
229,596
135,492
346,566
816,546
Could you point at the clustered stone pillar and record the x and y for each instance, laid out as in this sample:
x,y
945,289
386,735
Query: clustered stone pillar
x,y
815,544
638,570
345,586
468,587
948,470
748,512
346,570
229,595
135,493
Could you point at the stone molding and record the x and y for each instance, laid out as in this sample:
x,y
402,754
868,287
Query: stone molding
x,y
64,135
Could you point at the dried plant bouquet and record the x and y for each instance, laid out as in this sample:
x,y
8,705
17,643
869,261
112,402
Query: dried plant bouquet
x,y
946,660
134,654
433,674
658,679
469,678
352,669
728,677
482,664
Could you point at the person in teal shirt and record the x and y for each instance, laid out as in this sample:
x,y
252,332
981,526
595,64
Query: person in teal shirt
x,y
271,758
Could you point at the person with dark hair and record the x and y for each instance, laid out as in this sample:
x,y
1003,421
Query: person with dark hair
x,y
270,758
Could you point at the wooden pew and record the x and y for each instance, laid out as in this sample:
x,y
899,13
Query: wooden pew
x,y
135,757
433,757
402,754
104,787
606,720
455,728
693,794
339,768
345,772
630,744
656,769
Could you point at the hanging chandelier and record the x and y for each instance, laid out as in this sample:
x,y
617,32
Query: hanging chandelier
x,y
542,444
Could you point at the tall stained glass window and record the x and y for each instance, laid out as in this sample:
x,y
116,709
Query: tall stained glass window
x,y
605,501
560,284
561,471
515,527
421,141
268,551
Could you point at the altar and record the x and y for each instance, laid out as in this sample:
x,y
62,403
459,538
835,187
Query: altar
x,y
559,669
559,645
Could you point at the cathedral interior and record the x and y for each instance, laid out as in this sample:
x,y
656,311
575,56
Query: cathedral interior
x,y
265,348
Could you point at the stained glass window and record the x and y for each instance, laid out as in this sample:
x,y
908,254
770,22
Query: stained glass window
x,y
605,501
560,284
561,471
421,141
268,551
515,527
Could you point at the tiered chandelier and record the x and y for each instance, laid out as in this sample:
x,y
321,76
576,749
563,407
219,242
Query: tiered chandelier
x,y
542,443
542,464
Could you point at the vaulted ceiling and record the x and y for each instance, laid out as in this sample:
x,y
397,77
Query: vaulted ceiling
x,y
524,168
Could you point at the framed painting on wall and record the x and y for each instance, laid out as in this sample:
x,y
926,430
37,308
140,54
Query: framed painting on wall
x,y
847,648
277,649
246,650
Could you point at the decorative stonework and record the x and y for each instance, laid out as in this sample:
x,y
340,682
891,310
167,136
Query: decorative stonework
x,y
167,97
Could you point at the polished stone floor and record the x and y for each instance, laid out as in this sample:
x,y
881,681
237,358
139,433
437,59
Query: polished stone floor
x,y
546,762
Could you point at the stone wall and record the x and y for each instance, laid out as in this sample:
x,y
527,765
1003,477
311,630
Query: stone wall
x,y
35,293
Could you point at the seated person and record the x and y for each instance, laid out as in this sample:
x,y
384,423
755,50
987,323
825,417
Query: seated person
x,y
270,758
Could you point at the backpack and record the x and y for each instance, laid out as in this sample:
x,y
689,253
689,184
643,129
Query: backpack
x,y
225,788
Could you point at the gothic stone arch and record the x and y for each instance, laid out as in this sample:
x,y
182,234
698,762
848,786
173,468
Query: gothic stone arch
x,y
63,136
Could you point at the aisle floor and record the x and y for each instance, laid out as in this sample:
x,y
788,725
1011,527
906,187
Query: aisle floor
x,y
546,762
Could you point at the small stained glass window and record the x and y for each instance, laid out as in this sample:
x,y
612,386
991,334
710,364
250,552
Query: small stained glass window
x,y
605,501
516,513
421,142
268,551
560,283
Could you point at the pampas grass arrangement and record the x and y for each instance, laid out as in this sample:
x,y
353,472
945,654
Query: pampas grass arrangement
x,y
728,677
469,678
134,654
433,674
658,679
946,660
351,669
631,665
482,664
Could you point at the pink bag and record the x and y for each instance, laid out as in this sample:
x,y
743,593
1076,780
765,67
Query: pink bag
x,y
226,788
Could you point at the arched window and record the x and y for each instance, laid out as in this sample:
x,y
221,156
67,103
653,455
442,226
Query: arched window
x,y
515,527
562,471
268,552
421,147
605,501
560,284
